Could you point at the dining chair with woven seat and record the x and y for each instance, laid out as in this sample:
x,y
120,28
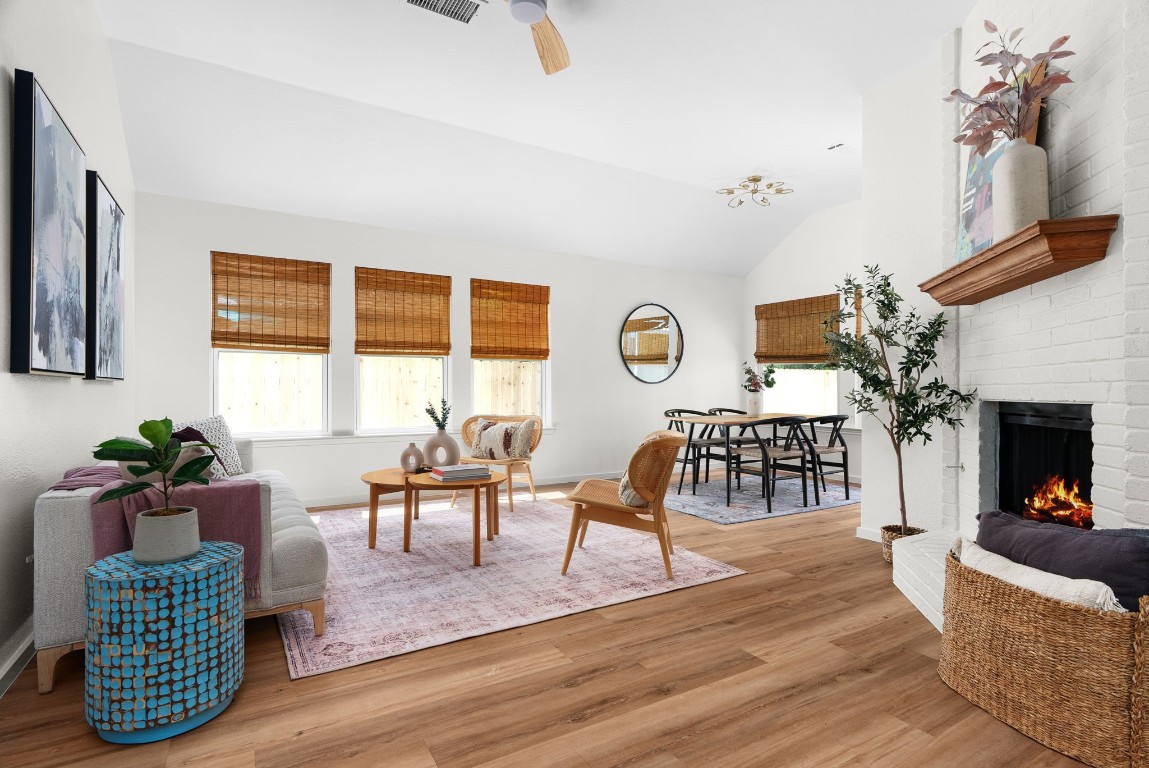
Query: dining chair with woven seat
x,y
636,501
834,444
766,457
512,465
700,445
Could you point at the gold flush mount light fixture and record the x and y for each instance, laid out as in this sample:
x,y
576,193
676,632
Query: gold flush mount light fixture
x,y
759,194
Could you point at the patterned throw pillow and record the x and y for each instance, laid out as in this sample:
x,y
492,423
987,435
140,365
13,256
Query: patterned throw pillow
x,y
216,431
503,439
628,495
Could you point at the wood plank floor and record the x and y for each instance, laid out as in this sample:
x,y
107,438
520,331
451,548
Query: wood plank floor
x,y
811,659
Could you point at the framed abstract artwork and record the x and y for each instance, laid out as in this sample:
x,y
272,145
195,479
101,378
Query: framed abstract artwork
x,y
49,331
105,299
975,227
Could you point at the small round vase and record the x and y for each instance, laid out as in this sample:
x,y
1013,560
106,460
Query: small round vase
x,y
441,450
165,538
411,458
1019,189
753,403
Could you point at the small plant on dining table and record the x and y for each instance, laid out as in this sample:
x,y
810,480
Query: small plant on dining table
x,y
439,417
756,382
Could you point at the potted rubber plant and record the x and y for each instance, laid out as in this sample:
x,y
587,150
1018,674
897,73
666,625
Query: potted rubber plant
x,y
891,359
161,462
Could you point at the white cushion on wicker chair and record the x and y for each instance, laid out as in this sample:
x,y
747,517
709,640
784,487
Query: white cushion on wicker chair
x,y
503,439
1087,592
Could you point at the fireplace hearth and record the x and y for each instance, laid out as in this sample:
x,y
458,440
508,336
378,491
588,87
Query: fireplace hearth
x,y
1045,461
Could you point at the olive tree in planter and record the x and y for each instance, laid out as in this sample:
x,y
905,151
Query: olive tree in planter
x,y
168,533
891,357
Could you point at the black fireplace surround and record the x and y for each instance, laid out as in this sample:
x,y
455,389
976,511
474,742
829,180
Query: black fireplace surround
x,y
1036,440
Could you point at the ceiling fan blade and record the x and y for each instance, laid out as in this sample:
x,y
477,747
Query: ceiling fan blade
x,y
552,50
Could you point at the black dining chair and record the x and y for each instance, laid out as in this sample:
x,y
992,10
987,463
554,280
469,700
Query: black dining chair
x,y
759,455
834,445
698,441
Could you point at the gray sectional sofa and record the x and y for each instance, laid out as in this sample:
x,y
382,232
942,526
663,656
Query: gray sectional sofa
x,y
293,571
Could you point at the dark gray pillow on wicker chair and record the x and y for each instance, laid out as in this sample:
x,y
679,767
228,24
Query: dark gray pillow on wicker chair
x,y
1117,557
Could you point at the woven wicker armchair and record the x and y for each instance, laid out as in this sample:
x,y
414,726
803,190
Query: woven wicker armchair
x,y
649,473
510,466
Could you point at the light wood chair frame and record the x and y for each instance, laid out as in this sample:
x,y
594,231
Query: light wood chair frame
x,y
510,466
651,486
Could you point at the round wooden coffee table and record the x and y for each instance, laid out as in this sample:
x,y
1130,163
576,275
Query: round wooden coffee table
x,y
424,482
386,481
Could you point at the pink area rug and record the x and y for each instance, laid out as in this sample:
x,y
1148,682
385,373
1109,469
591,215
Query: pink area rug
x,y
385,602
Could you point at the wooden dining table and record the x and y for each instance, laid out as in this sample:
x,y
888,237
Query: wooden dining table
x,y
726,421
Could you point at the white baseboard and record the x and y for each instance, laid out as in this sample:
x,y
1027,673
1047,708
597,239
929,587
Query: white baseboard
x,y
11,667
870,534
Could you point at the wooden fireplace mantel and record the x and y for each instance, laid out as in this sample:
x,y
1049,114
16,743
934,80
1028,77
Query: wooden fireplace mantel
x,y
1043,249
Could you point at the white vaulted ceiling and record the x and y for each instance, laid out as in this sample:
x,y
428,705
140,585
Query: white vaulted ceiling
x,y
378,112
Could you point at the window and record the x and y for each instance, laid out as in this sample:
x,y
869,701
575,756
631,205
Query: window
x,y
510,343
268,392
270,327
809,389
790,336
402,338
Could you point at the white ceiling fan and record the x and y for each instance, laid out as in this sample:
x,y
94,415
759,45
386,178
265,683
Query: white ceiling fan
x,y
548,42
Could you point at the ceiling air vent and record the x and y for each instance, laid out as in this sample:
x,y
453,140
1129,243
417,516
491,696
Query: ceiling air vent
x,y
459,10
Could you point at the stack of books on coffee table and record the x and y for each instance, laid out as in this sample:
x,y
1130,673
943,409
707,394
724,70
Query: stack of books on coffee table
x,y
461,472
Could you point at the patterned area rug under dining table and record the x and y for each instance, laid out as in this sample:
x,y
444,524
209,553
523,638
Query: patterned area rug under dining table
x,y
747,503
384,602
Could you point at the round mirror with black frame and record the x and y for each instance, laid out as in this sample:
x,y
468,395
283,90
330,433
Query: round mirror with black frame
x,y
651,343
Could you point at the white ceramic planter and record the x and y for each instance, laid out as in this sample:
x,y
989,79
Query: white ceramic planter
x,y
166,538
753,403
411,458
441,450
1020,188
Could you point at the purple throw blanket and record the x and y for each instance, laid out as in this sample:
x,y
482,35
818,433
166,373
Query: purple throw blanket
x,y
228,510
88,477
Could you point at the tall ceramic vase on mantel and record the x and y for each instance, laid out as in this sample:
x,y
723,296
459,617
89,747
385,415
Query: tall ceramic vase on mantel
x,y
441,450
753,403
1020,188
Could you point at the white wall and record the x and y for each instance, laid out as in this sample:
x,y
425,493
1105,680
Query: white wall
x,y
599,411
896,224
50,423
811,261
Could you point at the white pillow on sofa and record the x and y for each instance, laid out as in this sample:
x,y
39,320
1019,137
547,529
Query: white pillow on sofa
x,y
216,431
1087,592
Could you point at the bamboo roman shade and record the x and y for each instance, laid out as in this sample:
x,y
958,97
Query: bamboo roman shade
x,y
269,304
647,341
402,313
792,331
509,321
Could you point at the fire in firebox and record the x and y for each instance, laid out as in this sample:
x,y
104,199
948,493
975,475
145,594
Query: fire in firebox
x,y
1053,502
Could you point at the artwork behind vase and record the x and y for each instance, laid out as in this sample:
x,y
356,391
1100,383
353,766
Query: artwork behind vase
x,y
975,231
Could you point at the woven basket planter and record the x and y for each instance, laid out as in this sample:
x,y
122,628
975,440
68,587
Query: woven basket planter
x,y
891,533
1067,676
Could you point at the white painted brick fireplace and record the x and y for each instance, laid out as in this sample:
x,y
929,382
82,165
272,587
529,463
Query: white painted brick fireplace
x,y
1080,337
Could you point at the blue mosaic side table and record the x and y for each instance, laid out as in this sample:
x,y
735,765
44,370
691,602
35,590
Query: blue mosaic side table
x,y
165,642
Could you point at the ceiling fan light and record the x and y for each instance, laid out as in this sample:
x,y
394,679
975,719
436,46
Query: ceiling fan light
x,y
529,11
